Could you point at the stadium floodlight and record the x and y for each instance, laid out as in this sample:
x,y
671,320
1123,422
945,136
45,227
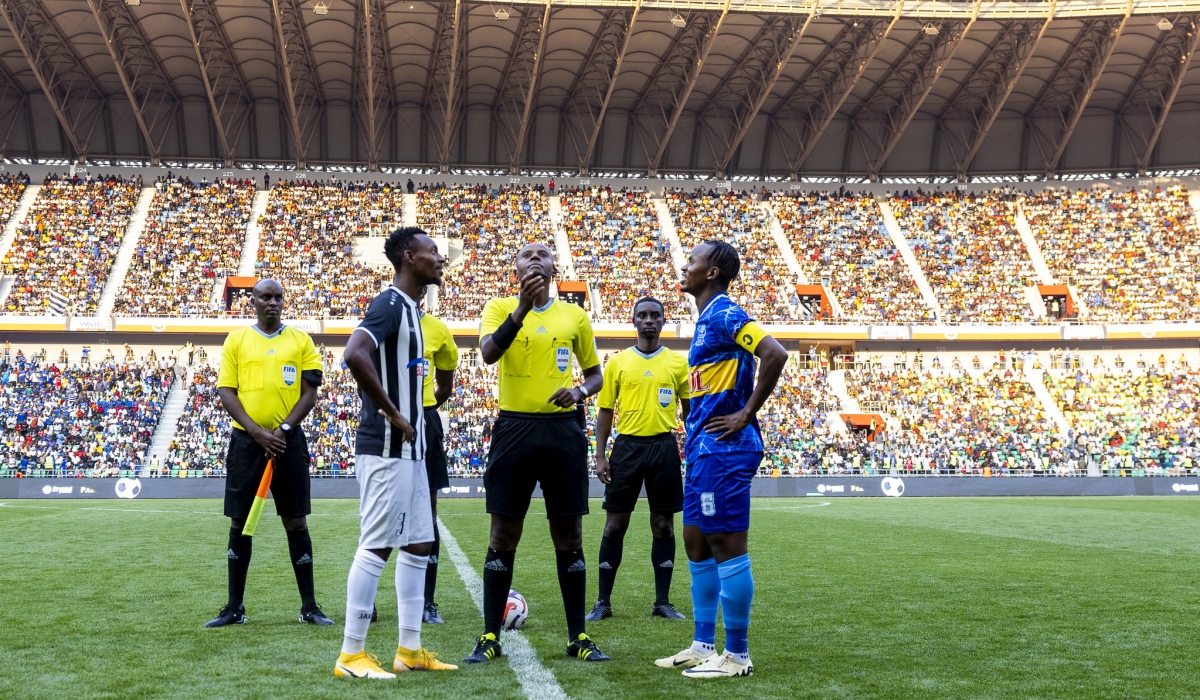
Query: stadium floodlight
x,y
678,21
930,29
1164,24
502,15
321,8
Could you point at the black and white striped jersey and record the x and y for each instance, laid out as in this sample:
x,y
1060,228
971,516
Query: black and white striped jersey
x,y
394,323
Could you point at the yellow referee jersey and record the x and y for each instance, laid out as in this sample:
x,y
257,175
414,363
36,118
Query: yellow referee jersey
x,y
646,390
539,361
440,352
265,370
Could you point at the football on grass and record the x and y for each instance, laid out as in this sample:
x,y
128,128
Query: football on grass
x,y
516,611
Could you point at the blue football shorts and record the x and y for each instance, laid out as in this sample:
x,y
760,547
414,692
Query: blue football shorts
x,y
716,492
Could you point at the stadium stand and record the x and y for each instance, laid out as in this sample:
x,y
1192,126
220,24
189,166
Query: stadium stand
x,y
840,237
68,242
617,245
493,223
1143,422
194,236
89,420
793,421
469,413
971,253
1133,254
11,189
953,422
307,243
202,434
763,286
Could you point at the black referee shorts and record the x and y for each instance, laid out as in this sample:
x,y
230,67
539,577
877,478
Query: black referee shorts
x,y
652,460
435,451
537,448
245,463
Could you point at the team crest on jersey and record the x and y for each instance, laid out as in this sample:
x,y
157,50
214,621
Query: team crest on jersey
x,y
701,331
289,375
665,396
562,357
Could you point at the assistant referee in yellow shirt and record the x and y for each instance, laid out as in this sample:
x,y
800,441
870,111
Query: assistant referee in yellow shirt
x,y
537,439
268,383
441,359
646,385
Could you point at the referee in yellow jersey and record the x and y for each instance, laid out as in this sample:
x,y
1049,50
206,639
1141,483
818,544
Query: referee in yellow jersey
x,y
441,355
646,385
537,439
268,383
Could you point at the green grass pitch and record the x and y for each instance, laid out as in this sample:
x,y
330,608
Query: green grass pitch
x,y
864,598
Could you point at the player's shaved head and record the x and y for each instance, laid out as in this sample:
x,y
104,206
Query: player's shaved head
x,y
267,285
536,256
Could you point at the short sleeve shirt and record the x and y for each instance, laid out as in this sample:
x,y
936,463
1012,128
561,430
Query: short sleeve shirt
x,y
440,352
539,361
266,371
721,367
645,390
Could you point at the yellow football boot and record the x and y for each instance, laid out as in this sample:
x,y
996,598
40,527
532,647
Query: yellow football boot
x,y
419,660
360,665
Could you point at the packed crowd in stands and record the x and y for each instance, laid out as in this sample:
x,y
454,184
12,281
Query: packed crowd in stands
x,y
194,235
951,422
68,242
840,237
12,188
307,244
971,252
78,420
764,287
617,245
1144,422
795,418
1133,254
493,223
468,417
202,434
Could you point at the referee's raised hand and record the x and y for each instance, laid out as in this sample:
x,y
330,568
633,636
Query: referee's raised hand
x,y
399,422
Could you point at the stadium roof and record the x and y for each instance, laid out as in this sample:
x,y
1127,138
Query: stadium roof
x,y
857,89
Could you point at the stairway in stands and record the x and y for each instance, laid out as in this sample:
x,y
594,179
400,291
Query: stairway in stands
x,y
168,422
409,215
667,225
10,233
785,246
129,244
1034,377
1031,245
562,245
914,267
253,231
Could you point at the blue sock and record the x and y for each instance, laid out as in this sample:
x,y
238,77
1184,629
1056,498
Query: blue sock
x,y
737,592
706,591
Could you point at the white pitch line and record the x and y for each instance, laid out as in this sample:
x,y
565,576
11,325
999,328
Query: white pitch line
x,y
536,680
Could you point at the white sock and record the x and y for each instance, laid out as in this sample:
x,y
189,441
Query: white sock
x,y
410,597
703,647
360,599
743,658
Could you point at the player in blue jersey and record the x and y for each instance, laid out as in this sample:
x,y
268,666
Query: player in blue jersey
x,y
724,448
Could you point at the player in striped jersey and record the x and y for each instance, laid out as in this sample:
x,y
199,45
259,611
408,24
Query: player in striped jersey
x,y
386,356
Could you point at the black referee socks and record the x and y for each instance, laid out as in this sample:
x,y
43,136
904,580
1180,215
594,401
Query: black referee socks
x,y
301,550
431,568
497,580
610,561
239,564
572,579
662,556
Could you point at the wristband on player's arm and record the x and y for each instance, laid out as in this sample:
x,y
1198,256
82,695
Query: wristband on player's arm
x,y
506,333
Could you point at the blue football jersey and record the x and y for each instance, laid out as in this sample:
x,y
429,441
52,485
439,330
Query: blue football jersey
x,y
721,377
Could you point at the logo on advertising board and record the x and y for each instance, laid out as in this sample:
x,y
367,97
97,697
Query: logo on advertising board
x,y
48,489
128,488
892,486
1185,488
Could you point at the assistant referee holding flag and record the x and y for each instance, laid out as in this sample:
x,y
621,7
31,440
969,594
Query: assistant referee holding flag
x,y
268,383
537,438
647,384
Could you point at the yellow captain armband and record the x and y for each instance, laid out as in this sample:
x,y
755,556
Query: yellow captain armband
x,y
750,335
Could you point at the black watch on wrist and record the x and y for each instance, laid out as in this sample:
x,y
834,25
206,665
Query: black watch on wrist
x,y
285,427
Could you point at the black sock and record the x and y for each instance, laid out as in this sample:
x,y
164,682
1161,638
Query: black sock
x,y
497,580
610,561
572,580
300,548
662,556
239,564
431,568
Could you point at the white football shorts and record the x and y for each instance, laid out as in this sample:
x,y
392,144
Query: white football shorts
x,y
394,508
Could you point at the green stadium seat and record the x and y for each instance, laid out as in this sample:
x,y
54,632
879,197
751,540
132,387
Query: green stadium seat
x,y
174,473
